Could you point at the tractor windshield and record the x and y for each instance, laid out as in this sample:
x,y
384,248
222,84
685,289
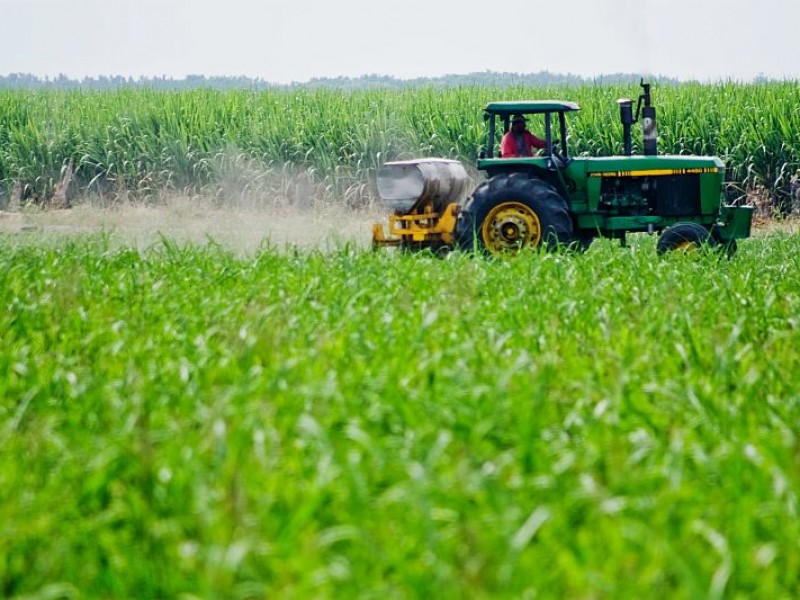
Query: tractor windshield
x,y
544,122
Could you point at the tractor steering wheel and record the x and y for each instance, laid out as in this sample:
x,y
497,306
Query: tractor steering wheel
x,y
555,154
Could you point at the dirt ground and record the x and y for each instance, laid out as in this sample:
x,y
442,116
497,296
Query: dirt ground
x,y
197,220
763,226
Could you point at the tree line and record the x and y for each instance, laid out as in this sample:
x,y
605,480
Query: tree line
x,y
26,81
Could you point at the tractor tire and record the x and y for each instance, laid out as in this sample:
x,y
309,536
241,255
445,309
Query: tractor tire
x,y
727,247
583,241
512,211
685,237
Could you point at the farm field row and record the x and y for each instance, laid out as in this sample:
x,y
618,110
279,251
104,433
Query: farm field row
x,y
239,143
182,421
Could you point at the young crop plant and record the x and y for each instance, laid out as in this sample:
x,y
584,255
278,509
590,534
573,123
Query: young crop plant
x,y
179,420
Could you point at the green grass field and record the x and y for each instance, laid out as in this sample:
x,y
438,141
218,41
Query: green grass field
x,y
179,421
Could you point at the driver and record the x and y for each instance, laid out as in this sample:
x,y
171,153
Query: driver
x,y
518,141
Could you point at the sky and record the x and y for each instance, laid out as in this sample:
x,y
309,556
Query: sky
x,y
283,41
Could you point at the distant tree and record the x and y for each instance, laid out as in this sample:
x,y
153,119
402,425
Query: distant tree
x,y
489,78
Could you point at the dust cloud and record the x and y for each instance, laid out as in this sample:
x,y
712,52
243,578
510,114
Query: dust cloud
x,y
242,229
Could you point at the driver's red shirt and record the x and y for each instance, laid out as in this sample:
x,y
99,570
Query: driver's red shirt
x,y
508,146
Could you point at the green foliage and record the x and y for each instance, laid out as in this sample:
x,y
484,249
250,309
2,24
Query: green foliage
x,y
147,141
178,421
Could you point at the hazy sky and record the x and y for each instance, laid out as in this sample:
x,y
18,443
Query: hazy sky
x,y
295,40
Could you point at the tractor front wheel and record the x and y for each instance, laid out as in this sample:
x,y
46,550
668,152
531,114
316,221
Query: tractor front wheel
x,y
510,212
728,247
685,237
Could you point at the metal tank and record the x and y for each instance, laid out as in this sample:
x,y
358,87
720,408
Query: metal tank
x,y
405,184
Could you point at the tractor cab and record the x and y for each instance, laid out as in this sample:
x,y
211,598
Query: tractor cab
x,y
546,119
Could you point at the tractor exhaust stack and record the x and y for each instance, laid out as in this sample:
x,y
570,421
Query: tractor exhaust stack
x,y
626,116
648,112
648,121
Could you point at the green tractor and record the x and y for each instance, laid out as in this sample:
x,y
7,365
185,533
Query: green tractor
x,y
553,199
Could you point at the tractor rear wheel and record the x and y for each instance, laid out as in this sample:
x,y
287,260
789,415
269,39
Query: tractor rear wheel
x,y
685,237
512,211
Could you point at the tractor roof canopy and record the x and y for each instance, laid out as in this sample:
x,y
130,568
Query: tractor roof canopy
x,y
530,107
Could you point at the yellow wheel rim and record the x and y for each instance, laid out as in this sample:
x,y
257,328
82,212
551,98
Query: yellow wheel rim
x,y
510,226
686,246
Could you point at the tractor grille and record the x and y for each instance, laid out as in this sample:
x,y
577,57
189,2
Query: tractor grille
x,y
678,195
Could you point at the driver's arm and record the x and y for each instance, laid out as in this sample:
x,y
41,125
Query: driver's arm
x,y
536,142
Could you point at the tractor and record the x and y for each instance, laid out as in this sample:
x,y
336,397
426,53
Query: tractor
x,y
552,199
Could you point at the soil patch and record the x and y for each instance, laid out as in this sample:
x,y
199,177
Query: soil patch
x,y
198,221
